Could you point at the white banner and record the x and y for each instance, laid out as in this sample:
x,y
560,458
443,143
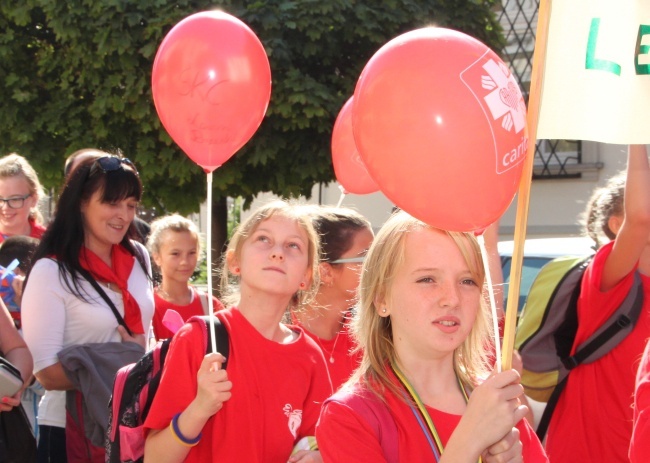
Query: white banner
x,y
596,83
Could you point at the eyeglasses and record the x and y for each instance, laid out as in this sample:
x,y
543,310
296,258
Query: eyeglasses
x,y
16,202
349,260
111,164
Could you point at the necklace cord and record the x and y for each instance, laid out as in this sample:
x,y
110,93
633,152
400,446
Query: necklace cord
x,y
330,353
421,414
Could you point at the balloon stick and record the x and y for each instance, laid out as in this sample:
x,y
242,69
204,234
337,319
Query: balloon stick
x,y
209,264
523,196
342,197
493,304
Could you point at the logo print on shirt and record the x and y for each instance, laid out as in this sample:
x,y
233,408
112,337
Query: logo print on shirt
x,y
295,419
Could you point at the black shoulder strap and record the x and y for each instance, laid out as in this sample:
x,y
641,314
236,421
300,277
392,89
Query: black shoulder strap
x,y
86,274
542,427
223,340
630,310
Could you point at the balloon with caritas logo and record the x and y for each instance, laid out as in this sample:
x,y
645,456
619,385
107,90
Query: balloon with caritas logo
x,y
440,123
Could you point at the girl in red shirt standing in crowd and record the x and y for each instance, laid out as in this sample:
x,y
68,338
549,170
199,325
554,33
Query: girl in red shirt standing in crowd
x,y
20,191
175,248
269,397
345,238
640,443
421,393
594,414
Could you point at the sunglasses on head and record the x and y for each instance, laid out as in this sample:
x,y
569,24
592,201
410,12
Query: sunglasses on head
x,y
111,164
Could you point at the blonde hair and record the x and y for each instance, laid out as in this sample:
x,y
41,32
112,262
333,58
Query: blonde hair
x,y
172,222
14,165
373,333
280,208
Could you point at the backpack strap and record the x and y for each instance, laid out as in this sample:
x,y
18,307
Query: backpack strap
x,y
203,296
622,321
545,420
613,331
223,338
376,413
120,320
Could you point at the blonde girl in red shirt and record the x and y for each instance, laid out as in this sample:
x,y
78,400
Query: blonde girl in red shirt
x,y
423,326
175,247
269,397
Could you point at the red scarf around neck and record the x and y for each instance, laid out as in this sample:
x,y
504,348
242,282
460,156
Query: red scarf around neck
x,y
122,262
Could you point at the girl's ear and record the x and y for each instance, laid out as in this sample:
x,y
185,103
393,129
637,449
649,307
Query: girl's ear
x,y
381,305
233,264
32,201
614,223
157,260
83,206
306,279
326,273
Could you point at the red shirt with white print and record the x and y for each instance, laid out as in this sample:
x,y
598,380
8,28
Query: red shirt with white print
x,y
277,393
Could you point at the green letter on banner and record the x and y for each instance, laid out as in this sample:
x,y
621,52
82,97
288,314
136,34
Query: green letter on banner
x,y
592,62
641,69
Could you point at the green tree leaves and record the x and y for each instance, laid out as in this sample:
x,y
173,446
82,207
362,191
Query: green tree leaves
x,y
77,73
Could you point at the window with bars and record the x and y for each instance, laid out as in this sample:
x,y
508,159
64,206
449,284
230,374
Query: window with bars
x,y
553,158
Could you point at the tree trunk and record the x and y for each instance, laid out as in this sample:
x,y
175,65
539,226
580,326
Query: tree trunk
x,y
219,237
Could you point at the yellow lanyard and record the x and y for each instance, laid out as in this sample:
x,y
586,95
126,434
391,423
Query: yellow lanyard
x,y
422,415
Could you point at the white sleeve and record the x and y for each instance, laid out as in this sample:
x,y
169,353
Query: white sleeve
x,y
43,313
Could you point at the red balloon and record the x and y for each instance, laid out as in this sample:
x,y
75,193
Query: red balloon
x,y
211,86
348,166
440,123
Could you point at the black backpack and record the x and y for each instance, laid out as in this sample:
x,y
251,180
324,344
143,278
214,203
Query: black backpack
x,y
133,391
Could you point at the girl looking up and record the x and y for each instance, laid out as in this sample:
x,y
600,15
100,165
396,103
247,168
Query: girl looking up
x,y
422,392
269,396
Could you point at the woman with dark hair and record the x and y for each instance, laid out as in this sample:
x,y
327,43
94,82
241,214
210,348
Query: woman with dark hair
x,y
345,238
89,282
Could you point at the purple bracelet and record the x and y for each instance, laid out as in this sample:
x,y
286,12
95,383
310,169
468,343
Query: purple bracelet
x,y
179,435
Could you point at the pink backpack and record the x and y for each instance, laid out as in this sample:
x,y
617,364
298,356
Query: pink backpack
x,y
133,392
376,414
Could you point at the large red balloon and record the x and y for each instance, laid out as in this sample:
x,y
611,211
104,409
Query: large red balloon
x,y
211,86
348,166
440,123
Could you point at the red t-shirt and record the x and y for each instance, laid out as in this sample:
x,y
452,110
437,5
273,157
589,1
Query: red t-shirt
x,y
277,393
345,436
186,311
640,444
340,360
36,231
593,418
